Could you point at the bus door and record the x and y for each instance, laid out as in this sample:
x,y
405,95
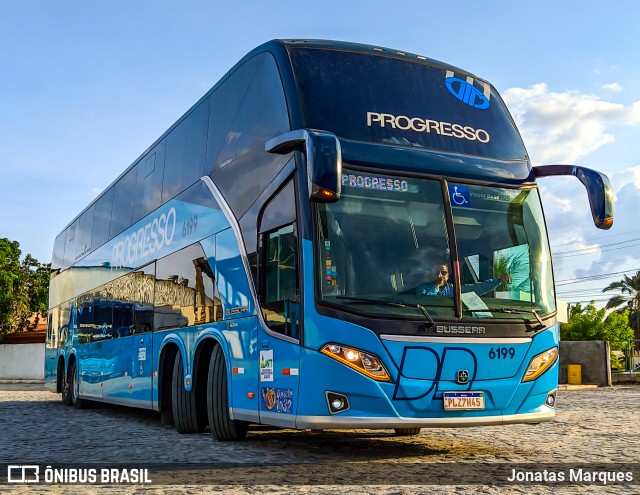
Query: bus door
x,y
141,372
279,356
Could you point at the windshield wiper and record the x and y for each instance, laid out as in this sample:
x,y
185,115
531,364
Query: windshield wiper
x,y
522,310
392,303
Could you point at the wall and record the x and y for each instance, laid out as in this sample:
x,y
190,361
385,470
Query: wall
x,y
21,361
594,357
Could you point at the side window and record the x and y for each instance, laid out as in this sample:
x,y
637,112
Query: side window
x,y
53,328
279,262
85,231
185,290
85,319
102,219
70,245
149,183
103,312
124,293
185,155
143,309
123,196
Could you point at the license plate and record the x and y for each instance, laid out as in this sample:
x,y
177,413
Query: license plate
x,y
463,401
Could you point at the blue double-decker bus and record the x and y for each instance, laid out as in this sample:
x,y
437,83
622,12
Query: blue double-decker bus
x,y
335,236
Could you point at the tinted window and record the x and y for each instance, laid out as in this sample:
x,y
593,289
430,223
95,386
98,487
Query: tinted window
x,y
102,219
185,291
145,288
58,254
70,245
86,327
123,197
85,231
186,147
279,302
377,98
124,297
149,183
247,110
281,209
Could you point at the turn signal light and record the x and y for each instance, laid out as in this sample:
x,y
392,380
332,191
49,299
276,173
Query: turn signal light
x,y
540,363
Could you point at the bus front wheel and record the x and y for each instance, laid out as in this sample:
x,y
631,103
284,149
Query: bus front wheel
x,y
223,428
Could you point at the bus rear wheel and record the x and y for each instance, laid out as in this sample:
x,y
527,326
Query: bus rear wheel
x,y
72,381
407,432
66,390
183,402
223,428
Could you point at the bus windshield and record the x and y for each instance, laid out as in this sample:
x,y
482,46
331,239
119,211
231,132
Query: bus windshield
x,y
384,248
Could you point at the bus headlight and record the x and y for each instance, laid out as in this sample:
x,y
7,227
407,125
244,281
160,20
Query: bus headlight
x,y
367,364
540,363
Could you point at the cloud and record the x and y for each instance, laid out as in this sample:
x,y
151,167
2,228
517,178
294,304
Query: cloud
x,y
579,249
565,127
612,87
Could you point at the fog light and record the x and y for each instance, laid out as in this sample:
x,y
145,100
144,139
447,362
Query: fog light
x,y
551,400
337,402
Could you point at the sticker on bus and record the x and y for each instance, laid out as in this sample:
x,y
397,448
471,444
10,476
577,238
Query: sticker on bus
x,y
277,399
266,366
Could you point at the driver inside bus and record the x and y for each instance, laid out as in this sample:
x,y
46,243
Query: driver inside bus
x,y
440,285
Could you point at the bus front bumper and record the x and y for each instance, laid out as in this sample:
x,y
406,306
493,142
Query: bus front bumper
x,y
350,422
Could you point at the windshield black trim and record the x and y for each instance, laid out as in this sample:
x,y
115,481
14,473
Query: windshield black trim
x,y
453,248
410,325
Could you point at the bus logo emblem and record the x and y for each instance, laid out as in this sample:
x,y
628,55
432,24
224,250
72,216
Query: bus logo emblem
x,y
466,92
463,377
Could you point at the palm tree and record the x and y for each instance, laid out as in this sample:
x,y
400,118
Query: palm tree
x,y
629,288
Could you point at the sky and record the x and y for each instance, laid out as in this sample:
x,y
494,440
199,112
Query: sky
x,y
86,87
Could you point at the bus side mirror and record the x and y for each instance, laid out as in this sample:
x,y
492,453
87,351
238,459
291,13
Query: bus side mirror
x,y
324,160
598,189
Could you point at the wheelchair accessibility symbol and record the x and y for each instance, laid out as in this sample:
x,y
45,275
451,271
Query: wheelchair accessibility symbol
x,y
459,195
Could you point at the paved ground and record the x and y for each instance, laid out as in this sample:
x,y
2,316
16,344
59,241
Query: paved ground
x,y
593,426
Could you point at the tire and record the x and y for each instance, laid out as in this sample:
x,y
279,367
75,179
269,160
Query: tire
x,y
66,391
183,403
72,380
223,428
407,432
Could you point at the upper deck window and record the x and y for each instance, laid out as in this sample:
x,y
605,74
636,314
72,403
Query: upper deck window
x,y
381,99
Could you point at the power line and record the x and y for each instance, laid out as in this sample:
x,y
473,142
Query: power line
x,y
566,243
589,278
566,255
569,253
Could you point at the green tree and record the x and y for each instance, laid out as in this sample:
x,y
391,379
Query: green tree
x,y
591,323
629,298
24,288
